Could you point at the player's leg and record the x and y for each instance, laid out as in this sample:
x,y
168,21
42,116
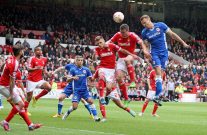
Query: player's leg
x,y
61,98
17,107
101,85
154,114
93,108
116,99
46,88
131,71
30,87
103,112
122,86
1,104
75,101
158,80
87,106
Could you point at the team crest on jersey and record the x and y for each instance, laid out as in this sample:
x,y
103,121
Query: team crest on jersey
x,y
157,29
84,71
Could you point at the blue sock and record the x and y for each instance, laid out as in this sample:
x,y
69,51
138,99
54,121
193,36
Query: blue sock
x,y
0,101
93,109
60,106
87,106
158,86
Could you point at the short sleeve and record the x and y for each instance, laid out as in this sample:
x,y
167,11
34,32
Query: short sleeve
x,y
164,27
89,74
67,67
144,35
114,38
137,38
72,72
31,63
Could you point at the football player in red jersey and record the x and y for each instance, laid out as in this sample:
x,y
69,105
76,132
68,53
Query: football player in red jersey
x,y
127,40
35,80
152,90
106,52
7,83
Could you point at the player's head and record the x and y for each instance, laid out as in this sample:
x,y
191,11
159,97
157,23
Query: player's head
x,y
18,50
124,29
79,60
146,21
38,51
99,40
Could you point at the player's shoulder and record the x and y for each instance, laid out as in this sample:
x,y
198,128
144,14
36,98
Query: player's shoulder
x,y
144,31
118,34
85,68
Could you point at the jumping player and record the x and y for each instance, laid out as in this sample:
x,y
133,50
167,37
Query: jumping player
x,y
154,35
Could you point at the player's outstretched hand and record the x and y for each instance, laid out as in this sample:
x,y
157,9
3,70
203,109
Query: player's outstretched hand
x,y
75,78
147,55
185,45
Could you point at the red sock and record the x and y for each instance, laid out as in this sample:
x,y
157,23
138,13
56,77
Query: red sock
x,y
101,85
123,89
131,72
144,106
13,112
127,109
24,115
155,109
103,110
44,92
26,104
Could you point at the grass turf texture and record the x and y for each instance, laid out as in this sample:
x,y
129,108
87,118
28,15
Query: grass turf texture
x,y
176,119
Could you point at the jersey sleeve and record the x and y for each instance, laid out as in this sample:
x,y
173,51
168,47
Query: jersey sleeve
x,y
114,38
31,62
89,74
12,67
96,52
72,72
67,67
144,35
137,38
164,27
114,47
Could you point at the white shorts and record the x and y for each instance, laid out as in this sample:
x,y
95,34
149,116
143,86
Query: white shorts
x,y
109,74
19,92
31,86
121,65
6,93
150,94
114,95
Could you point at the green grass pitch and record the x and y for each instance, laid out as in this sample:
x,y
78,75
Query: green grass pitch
x,y
176,119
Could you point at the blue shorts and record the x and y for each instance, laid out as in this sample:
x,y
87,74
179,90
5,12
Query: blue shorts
x,y
77,95
68,90
160,59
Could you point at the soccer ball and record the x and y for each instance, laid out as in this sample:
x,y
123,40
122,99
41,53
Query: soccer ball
x,y
118,17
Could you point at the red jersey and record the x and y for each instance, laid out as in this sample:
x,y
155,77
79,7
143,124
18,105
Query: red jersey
x,y
152,77
36,75
128,43
107,55
10,68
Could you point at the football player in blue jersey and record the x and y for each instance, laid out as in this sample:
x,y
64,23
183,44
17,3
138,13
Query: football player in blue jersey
x,y
67,92
154,35
79,75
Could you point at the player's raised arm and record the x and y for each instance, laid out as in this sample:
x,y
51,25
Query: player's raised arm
x,y
128,53
58,69
173,35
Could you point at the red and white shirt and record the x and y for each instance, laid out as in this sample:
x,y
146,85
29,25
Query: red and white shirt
x,y
10,69
36,75
128,43
152,77
107,55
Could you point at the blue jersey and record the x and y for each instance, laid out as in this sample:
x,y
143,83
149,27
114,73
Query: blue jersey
x,y
83,73
68,67
156,37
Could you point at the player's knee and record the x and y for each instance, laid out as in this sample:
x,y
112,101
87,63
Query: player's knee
x,y
20,105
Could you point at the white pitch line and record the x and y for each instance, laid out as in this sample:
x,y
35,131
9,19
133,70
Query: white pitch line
x,y
89,131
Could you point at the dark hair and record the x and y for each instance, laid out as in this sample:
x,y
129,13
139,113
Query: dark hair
x,y
17,48
124,27
37,47
143,17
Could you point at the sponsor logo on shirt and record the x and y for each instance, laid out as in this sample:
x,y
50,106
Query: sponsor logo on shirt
x,y
106,54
